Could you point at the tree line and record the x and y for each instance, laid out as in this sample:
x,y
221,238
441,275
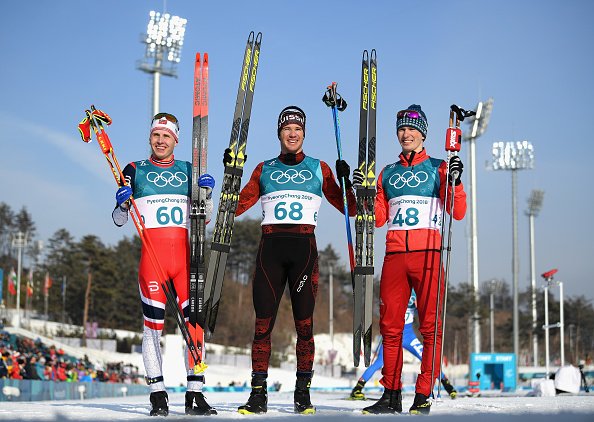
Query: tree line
x,y
111,272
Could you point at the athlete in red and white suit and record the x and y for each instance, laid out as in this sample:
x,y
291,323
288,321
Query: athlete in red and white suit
x,y
161,187
410,194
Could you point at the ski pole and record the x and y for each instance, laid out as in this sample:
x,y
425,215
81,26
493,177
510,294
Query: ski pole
x,y
96,119
452,147
337,103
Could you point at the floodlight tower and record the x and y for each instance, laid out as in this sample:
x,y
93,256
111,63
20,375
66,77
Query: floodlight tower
x,y
164,39
19,242
478,124
514,156
534,205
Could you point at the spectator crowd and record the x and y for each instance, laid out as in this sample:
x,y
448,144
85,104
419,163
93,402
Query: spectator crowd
x,y
27,359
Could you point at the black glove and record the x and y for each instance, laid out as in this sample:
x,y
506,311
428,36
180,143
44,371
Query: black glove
x,y
227,159
455,167
343,171
341,104
358,178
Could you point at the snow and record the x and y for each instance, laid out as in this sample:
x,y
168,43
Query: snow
x,y
330,406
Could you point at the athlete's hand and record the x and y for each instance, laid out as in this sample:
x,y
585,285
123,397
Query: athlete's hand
x,y
358,178
206,181
455,168
227,159
123,194
342,172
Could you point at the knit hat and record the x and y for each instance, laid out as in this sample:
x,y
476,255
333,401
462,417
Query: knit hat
x,y
289,115
167,122
413,116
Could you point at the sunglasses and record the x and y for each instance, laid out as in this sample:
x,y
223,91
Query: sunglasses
x,y
408,113
167,116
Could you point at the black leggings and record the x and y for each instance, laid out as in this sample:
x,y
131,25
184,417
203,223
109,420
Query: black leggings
x,y
282,258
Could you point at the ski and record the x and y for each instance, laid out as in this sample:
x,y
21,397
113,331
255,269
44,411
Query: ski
x,y
198,195
225,218
365,219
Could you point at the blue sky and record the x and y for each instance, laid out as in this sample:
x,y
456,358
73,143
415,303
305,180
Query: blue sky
x,y
532,57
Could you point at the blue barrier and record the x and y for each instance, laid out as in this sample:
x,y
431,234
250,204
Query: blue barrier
x,y
35,390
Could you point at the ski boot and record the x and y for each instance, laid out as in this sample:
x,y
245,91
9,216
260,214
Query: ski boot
x,y
421,405
258,401
301,400
449,388
389,403
357,393
159,402
202,408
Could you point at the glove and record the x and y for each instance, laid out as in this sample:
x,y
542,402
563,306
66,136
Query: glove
x,y
206,181
358,178
102,116
84,127
455,168
123,194
343,171
340,104
228,159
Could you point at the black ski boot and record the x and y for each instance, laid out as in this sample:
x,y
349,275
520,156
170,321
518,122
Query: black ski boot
x,y
357,393
159,402
389,403
258,401
449,388
421,405
202,408
301,400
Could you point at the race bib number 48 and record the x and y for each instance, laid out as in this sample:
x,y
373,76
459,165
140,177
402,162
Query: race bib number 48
x,y
414,212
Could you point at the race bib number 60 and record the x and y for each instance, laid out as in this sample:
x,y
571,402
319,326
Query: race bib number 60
x,y
164,211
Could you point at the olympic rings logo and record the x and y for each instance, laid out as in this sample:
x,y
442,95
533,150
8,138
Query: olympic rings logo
x,y
291,175
408,178
167,178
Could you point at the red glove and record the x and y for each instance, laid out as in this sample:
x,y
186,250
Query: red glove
x,y
84,127
102,116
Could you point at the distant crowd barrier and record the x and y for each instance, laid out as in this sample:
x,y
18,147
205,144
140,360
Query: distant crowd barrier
x,y
35,390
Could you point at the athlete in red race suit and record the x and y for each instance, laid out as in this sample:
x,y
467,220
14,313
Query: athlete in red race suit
x,y
290,189
161,187
410,197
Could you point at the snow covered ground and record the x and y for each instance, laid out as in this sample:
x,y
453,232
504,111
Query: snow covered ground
x,y
330,406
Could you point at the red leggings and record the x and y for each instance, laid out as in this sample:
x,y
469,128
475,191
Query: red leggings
x,y
402,272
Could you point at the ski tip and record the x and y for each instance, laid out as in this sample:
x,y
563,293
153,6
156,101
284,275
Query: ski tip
x,y
251,36
197,57
259,38
365,54
373,54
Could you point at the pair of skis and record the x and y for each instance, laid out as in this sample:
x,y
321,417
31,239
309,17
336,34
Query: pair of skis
x,y
365,219
225,218
198,195
94,120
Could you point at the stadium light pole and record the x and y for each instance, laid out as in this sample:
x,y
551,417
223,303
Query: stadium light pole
x,y
19,242
164,39
514,156
478,124
493,287
534,205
